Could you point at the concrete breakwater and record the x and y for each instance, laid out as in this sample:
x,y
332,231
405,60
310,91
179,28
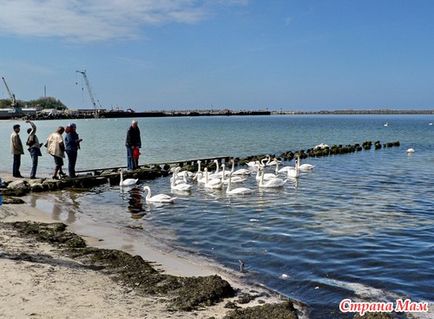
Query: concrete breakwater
x,y
99,176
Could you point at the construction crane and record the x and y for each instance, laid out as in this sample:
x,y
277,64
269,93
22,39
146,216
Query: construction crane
x,y
89,90
11,95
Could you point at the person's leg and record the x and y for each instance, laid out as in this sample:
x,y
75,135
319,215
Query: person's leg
x,y
130,163
19,164
34,166
72,160
16,165
69,154
60,162
56,167
74,163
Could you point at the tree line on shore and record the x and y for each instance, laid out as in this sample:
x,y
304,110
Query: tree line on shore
x,y
41,103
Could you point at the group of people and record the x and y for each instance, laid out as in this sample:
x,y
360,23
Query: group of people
x,y
57,146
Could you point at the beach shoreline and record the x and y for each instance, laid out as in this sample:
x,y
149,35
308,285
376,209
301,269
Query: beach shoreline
x,y
21,285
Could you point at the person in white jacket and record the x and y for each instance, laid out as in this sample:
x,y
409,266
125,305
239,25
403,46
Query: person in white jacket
x,y
56,148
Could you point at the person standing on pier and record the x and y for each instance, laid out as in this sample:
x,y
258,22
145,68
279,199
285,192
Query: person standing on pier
x,y
133,141
72,145
34,148
56,148
17,150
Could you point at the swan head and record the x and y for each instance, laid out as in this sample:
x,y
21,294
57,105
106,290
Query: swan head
x,y
146,188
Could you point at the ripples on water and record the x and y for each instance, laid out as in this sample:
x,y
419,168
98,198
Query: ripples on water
x,y
360,226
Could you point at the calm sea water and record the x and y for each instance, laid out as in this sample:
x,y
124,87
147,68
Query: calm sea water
x,y
359,226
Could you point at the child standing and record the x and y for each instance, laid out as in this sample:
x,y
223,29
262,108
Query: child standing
x,y
136,155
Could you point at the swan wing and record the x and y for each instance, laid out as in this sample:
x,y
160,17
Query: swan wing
x,y
306,167
129,182
240,191
242,171
182,187
162,198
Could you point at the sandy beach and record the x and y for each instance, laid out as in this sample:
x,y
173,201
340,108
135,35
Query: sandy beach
x,y
38,280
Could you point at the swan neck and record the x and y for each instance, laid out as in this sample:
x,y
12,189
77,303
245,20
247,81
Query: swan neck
x,y
148,193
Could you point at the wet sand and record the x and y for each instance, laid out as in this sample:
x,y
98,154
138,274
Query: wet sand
x,y
38,281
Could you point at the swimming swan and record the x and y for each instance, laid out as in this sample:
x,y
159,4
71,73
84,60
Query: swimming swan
x,y
235,179
212,183
272,183
183,186
241,171
410,150
266,176
160,198
128,181
238,190
303,167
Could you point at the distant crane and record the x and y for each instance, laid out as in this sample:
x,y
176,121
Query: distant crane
x,y
11,95
14,104
89,90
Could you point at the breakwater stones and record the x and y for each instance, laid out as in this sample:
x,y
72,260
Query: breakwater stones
x,y
84,182
96,177
321,150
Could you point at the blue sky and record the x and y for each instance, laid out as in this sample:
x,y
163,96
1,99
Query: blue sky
x,y
238,54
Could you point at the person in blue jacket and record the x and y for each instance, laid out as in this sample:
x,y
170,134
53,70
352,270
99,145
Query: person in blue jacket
x,y
72,145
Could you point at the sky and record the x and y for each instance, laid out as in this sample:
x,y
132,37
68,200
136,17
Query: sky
x,y
297,55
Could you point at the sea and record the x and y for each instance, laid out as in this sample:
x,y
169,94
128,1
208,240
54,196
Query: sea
x,y
358,226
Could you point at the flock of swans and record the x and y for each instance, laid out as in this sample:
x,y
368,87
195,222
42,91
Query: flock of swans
x,y
223,179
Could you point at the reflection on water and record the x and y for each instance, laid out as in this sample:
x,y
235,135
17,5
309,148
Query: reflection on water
x,y
359,224
134,197
63,206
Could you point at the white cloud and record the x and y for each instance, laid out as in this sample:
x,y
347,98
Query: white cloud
x,y
93,20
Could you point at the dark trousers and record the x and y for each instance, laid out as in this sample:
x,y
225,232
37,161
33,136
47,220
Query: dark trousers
x,y
130,160
34,165
72,159
16,165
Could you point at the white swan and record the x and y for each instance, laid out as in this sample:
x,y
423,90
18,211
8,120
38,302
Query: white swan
x,y
410,150
320,146
235,179
178,178
241,171
266,176
160,198
183,186
186,174
271,162
386,124
293,172
272,183
303,167
212,183
238,190
128,181
217,173
253,164
201,178
199,172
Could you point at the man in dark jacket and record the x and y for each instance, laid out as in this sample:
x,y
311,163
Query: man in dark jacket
x,y
133,141
72,145
17,150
